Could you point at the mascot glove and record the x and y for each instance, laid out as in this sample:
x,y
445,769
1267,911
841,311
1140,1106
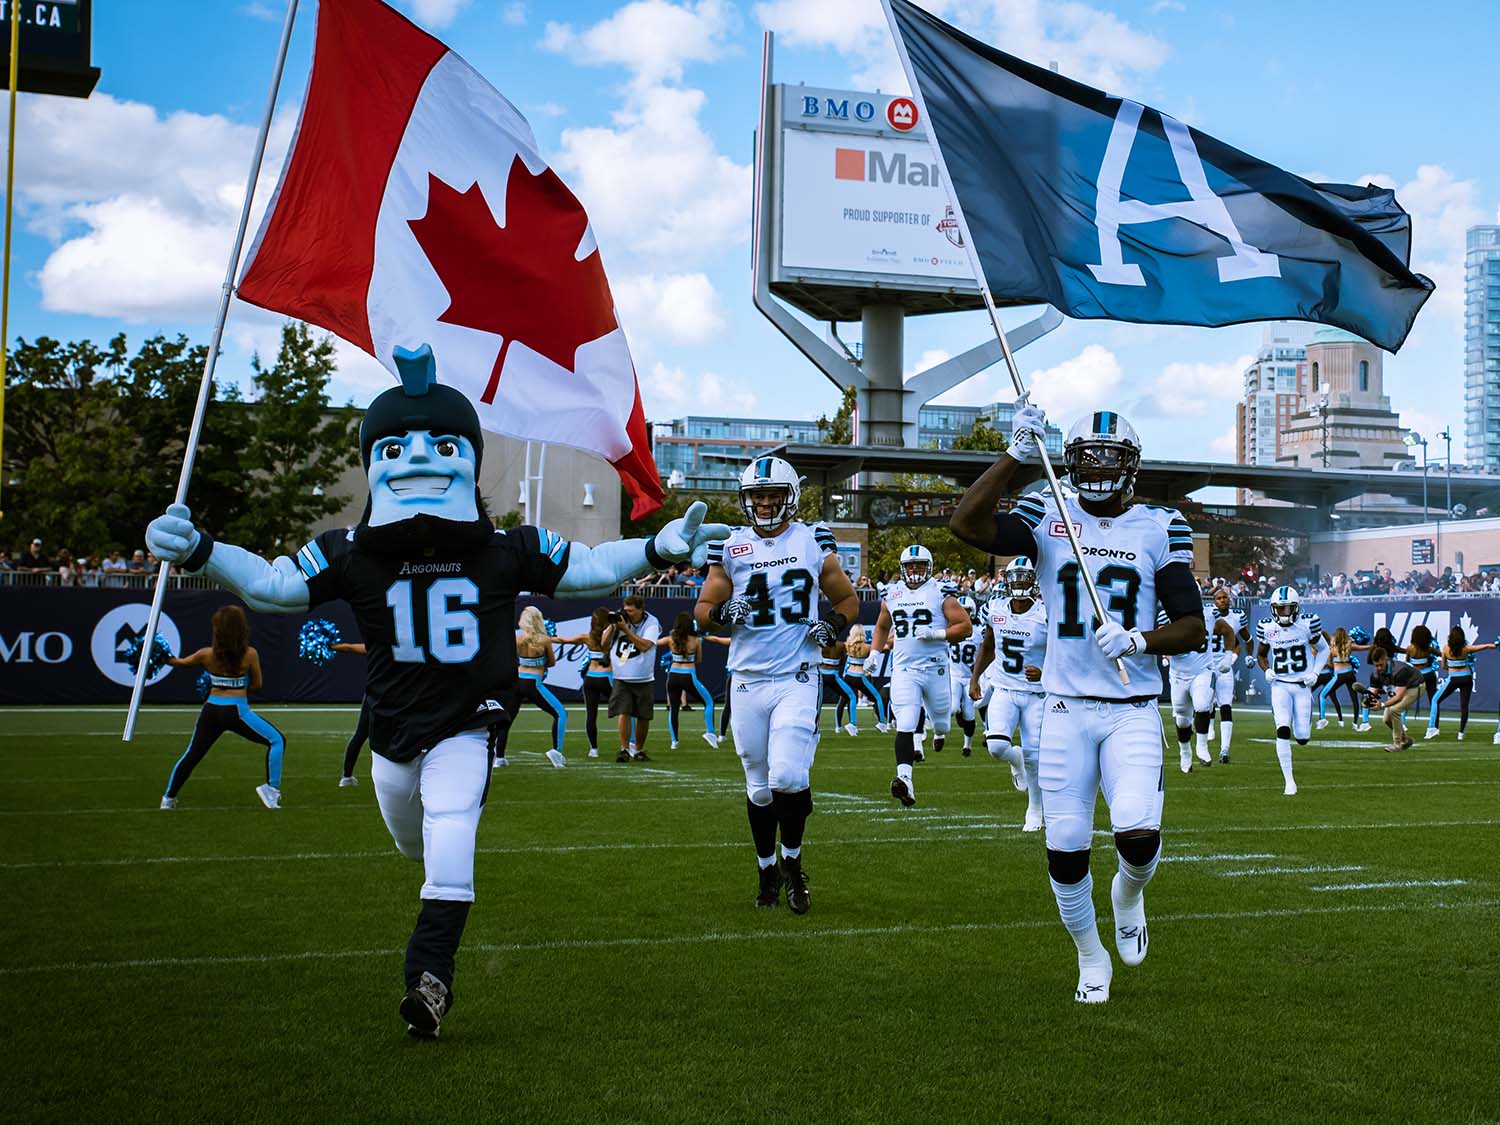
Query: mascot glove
x,y
1028,427
172,536
1115,641
686,539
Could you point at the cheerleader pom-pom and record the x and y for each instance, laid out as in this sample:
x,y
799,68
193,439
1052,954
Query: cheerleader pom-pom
x,y
551,627
1359,636
155,659
205,682
315,640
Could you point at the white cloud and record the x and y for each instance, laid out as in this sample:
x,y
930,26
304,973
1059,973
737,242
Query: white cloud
x,y
1088,43
1161,6
514,15
1085,382
928,359
142,207
655,184
1226,445
545,109
653,39
436,13
1193,390
257,10
669,392
680,308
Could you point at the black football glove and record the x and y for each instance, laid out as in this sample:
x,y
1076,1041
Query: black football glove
x,y
731,612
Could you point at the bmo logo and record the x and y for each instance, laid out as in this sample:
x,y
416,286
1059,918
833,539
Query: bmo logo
x,y
901,114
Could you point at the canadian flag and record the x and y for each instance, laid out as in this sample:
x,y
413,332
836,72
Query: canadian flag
x,y
414,208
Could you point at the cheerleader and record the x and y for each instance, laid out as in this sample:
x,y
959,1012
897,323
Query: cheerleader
x,y
1423,654
858,652
836,689
1341,666
234,671
685,647
1458,675
361,726
534,654
598,681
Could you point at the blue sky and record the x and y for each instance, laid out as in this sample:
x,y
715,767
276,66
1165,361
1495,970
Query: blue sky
x,y
127,201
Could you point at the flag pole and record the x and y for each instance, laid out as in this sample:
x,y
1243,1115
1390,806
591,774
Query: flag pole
x,y
989,303
10,194
209,363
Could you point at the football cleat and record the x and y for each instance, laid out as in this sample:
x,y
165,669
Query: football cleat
x,y
556,758
1432,732
770,887
348,782
968,751
1224,758
171,802
1093,981
1131,939
921,755
797,897
1204,756
424,1006
937,745
269,796
902,790
1034,821
1018,775
1290,790
711,738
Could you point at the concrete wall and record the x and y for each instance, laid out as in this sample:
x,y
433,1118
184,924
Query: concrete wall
x,y
568,471
1476,541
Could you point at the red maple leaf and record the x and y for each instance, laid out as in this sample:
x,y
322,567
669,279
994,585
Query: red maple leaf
x,y
520,281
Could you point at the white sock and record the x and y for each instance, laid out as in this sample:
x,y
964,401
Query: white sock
x,y
1226,732
790,853
1136,877
1075,905
766,861
1284,756
903,771
968,742
1201,742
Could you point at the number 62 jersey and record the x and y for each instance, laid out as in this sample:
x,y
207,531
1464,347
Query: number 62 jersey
x,y
778,576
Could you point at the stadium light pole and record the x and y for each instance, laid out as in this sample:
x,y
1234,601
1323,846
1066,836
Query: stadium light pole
x,y
1410,439
1447,437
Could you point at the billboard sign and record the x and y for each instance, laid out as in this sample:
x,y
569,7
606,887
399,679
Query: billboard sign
x,y
56,37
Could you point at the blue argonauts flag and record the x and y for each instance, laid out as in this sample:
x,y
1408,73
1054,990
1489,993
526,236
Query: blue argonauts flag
x,y
1109,209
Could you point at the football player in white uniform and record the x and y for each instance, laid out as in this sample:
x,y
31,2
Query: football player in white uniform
x,y
1098,733
1010,668
763,585
1191,678
1224,668
1291,652
960,671
919,619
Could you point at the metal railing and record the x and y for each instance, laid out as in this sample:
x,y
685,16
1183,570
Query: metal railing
x,y
112,580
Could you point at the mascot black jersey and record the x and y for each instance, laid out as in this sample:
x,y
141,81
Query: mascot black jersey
x,y
438,623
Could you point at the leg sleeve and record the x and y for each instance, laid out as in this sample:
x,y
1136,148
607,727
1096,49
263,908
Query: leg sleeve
x,y
453,777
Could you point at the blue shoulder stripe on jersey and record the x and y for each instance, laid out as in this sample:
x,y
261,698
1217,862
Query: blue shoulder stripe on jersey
x,y
553,545
1030,511
311,564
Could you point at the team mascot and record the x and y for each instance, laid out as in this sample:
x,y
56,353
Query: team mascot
x,y
433,587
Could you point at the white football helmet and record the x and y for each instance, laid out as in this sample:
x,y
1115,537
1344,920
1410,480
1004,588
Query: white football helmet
x,y
770,473
911,558
1286,605
1020,578
971,607
1101,456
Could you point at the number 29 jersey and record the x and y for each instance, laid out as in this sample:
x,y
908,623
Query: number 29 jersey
x,y
779,578
1124,553
1290,646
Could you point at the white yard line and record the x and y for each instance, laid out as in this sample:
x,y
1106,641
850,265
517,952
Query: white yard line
x,y
1393,883
716,937
1315,870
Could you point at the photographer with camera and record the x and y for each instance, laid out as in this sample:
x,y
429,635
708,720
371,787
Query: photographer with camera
x,y
631,641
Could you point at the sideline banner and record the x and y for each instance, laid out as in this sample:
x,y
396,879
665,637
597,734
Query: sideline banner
x,y
62,646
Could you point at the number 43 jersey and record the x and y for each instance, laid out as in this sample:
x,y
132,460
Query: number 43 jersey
x,y
1124,552
439,626
779,578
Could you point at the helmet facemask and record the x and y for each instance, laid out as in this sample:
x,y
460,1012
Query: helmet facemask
x,y
782,508
1102,470
915,572
1285,613
1020,582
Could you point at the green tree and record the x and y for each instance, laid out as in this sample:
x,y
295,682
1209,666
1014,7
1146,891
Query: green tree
x,y
296,446
723,507
839,430
509,520
982,436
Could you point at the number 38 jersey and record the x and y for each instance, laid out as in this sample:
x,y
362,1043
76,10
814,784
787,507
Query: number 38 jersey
x,y
1020,639
911,610
779,578
1124,552
1291,646
438,623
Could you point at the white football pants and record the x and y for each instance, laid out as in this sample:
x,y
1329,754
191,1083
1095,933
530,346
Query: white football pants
x,y
1088,746
1291,706
923,687
775,723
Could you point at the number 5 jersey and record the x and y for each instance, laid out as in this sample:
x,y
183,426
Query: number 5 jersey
x,y
779,578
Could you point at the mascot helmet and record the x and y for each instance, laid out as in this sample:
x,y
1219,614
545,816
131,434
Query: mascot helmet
x,y
419,403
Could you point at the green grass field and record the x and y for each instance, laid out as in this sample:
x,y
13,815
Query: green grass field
x,y
1331,956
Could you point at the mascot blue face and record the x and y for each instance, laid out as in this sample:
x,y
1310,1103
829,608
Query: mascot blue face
x,y
422,473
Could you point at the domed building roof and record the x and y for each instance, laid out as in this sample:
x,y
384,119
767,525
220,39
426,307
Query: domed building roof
x,y
1328,334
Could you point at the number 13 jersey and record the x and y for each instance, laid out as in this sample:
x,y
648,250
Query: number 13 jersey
x,y
779,578
1124,553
